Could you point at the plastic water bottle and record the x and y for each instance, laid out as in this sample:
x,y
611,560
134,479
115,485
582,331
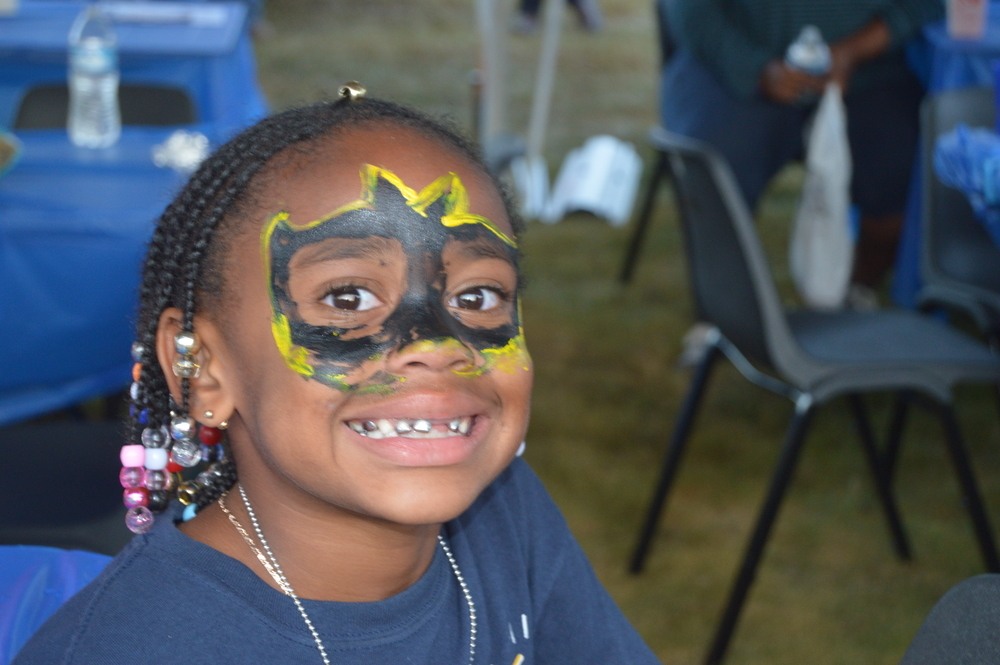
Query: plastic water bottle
x,y
94,119
809,53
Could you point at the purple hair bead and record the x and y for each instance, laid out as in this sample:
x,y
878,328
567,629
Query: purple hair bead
x,y
131,476
139,519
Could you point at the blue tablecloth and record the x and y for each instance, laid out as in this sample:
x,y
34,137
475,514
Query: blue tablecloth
x,y
212,60
942,64
74,222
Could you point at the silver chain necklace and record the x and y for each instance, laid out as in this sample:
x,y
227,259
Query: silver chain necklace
x,y
270,563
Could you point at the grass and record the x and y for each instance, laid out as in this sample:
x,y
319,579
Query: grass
x,y
608,386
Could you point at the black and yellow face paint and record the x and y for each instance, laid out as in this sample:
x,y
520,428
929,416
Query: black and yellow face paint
x,y
425,225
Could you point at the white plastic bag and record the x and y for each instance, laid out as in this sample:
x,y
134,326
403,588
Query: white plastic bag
x,y
821,251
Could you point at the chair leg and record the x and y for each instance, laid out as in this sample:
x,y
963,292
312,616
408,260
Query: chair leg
x,y
895,437
671,461
794,438
973,500
882,485
659,170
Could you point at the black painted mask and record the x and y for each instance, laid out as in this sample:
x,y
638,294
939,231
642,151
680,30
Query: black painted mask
x,y
424,224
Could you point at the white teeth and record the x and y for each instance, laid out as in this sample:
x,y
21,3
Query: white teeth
x,y
411,429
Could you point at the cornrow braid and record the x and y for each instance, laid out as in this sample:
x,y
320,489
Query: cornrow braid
x,y
184,269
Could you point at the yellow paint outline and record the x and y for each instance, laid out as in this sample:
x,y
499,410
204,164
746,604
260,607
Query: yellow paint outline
x,y
456,206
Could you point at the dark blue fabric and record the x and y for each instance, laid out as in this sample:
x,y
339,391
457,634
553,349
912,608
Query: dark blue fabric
x,y
34,582
963,628
169,599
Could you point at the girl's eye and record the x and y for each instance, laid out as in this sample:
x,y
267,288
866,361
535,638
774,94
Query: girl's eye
x,y
351,298
478,298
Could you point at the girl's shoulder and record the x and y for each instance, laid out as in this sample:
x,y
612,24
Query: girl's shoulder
x,y
160,582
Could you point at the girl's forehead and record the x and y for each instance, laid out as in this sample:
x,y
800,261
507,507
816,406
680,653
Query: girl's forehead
x,y
329,174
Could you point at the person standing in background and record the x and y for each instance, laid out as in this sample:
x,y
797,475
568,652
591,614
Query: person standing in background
x,y
728,84
589,12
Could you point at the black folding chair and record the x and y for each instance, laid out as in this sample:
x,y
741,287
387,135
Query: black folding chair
x,y
809,357
959,262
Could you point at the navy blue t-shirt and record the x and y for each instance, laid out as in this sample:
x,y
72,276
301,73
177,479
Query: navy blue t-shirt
x,y
170,599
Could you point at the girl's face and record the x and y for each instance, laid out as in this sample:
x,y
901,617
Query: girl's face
x,y
373,347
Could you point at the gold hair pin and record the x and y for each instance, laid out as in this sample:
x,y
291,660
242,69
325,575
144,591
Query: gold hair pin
x,y
352,90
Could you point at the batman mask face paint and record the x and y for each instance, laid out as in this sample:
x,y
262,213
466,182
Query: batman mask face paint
x,y
393,268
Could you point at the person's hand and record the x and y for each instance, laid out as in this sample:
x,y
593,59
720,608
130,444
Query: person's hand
x,y
787,85
843,60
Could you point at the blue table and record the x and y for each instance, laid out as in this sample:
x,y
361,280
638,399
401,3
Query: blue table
x,y
942,64
74,222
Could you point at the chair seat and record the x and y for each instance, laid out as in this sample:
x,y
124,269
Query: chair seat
x,y
887,336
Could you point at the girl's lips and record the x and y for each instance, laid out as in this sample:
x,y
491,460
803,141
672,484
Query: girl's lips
x,y
443,444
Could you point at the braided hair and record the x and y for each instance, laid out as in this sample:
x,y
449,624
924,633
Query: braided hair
x,y
184,269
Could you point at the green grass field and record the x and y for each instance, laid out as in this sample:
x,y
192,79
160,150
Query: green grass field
x,y
608,385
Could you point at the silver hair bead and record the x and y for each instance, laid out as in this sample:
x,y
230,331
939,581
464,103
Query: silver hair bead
x,y
186,452
154,437
182,427
137,352
185,367
187,343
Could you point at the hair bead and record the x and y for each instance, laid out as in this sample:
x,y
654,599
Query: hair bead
x,y
352,90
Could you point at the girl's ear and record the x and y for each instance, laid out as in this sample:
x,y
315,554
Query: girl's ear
x,y
209,399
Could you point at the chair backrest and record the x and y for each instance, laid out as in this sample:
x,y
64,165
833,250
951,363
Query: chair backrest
x,y
667,43
47,106
956,248
34,582
732,283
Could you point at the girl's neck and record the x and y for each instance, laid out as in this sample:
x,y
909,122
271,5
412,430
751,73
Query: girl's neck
x,y
325,554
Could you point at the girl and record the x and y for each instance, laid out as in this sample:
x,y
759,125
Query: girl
x,y
335,292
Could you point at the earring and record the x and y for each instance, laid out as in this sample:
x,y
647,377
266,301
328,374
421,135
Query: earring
x,y
209,415
223,425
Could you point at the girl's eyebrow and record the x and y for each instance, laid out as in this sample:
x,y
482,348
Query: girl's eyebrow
x,y
338,249
477,249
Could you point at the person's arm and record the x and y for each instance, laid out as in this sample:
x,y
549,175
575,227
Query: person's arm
x,y
868,43
896,24
905,18
717,39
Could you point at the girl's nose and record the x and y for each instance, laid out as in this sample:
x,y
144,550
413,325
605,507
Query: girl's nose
x,y
436,354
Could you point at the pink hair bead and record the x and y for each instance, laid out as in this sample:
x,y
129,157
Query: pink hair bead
x,y
135,496
131,476
139,519
133,455
156,459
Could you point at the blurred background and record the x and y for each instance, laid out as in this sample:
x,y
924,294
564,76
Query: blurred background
x,y
608,378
